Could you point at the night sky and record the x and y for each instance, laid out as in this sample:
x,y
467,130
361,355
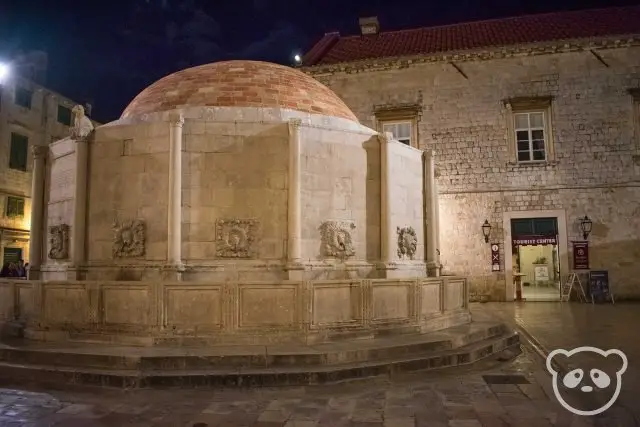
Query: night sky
x,y
106,52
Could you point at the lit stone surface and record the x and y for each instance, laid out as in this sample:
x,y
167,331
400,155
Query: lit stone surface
x,y
595,170
213,261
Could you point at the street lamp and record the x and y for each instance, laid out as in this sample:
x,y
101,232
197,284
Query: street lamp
x,y
5,72
585,226
486,230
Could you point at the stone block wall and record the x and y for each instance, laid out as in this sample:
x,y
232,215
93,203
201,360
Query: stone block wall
x,y
594,168
340,184
407,197
128,180
60,184
234,171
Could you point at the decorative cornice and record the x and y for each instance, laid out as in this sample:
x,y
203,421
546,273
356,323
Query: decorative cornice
x,y
39,151
391,63
385,137
176,120
397,111
295,123
528,102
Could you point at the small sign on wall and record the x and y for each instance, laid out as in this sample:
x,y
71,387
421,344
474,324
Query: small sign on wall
x,y
495,257
580,255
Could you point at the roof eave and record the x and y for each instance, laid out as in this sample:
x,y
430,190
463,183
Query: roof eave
x,y
493,52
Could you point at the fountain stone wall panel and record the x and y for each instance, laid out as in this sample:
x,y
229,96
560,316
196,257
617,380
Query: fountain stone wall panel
x,y
155,312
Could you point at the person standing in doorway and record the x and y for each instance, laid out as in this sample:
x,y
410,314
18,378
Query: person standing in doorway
x,y
21,270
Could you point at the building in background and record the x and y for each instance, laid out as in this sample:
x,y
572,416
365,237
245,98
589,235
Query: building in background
x,y
30,114
534,122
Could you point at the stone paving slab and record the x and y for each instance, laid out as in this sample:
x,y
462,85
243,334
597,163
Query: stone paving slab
x,y
572,325
453,398
491,394
457,336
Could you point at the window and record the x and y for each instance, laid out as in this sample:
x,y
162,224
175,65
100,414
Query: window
x,y
635,94
19,150
15,207
64,115
530,131
530,136
401,131
11,255
23,97
401,121
534,226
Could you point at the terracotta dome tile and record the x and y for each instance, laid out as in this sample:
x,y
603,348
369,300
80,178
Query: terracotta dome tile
x,y
239,84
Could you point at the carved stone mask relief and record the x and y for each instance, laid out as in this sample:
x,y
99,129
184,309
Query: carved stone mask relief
x,y
407,242
59,241
337,241
129,239
236,238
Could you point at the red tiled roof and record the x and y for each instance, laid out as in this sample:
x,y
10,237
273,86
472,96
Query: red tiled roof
x,y
617,21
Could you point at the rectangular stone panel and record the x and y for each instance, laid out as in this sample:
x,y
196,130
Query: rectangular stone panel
x,y
65,303
336,303
454,294
391,300
193,306
6,301
26,307
430,295
126,304
264,305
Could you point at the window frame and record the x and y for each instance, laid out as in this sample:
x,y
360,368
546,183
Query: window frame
x,y
530,131
26,155
515,106
635,118
401,122
20,89
19,201
397,114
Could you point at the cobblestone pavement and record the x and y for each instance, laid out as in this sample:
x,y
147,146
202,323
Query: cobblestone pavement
x,y
481,396
567,326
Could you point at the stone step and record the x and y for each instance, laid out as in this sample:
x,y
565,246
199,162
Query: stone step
x,y
171,358
256,376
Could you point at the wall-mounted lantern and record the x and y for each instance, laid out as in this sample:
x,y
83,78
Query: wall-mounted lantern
x,y
486,230
585,226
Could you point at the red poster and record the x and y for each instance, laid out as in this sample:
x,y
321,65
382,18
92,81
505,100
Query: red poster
x,y
580,255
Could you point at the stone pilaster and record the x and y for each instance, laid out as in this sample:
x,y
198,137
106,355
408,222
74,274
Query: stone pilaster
x,y
431,215
387,231
36,233
174,226
79,227
294,212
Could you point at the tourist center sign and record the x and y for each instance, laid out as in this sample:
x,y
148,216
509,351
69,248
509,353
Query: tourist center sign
x,y
534,240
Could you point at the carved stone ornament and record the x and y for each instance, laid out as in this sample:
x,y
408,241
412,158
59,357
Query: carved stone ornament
x,y
336,239
39,151
82,126
59,241
407,242
129,238
236,238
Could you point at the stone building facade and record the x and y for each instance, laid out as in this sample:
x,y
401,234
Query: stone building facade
x,y
30,115
468,91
